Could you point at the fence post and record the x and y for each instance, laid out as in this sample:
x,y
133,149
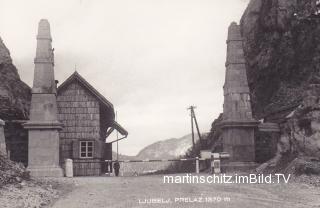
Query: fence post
x,y
123,168
216,163
211,164
197,165
3,149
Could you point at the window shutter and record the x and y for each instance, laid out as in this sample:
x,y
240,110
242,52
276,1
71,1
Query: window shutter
x,y
107,151
75,149
97,149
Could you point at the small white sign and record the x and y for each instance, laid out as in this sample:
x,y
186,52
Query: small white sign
x,y
205,154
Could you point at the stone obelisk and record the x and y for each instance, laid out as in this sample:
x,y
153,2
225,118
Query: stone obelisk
x,y
238,125
43,126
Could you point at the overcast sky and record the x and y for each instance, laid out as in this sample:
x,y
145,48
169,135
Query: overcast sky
x,y
150,58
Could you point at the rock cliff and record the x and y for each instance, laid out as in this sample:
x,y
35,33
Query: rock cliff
x,y
282,51
15,95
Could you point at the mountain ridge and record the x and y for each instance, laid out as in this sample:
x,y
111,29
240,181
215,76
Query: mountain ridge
x,y
167,149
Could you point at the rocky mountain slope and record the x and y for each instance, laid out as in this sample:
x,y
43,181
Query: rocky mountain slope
x,y
167,149
15,95
282,49
122,156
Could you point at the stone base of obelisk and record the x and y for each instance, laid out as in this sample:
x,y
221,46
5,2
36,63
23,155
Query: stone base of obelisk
x,y
45,171
43,151
239,166
238,141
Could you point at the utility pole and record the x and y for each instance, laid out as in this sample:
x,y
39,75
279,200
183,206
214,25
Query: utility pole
x,y
193,142
117,138
194,119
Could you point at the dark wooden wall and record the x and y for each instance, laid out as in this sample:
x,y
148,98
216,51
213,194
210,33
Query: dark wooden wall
x,y
17,141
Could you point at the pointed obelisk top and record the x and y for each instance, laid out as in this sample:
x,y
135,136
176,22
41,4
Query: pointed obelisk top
x,y
237,106
44,30
44,73
234,33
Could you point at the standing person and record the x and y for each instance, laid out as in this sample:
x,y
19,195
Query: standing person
x,y
116,167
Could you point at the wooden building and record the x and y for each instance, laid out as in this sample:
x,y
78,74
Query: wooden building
x,y
88,119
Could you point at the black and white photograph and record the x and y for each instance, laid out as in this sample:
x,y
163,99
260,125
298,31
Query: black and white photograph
x,y
159,103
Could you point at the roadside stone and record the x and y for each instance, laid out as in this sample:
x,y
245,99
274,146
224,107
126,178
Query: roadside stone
x,y
23,183
18,179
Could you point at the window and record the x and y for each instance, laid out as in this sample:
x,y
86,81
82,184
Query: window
x,y
86,149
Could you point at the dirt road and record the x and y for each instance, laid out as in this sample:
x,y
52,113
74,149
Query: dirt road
x,y
150,191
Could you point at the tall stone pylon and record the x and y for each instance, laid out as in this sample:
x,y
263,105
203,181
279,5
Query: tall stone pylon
x,y
238,125
43,126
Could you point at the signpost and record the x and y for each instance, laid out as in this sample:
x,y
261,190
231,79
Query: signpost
x,y
215,159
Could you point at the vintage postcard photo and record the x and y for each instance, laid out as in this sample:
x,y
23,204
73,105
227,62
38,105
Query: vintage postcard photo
x,y
159,103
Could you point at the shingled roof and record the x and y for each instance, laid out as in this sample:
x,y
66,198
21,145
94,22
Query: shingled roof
x,y
107,104
76,76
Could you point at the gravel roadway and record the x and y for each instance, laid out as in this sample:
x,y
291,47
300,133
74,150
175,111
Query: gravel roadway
x,y
150,191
